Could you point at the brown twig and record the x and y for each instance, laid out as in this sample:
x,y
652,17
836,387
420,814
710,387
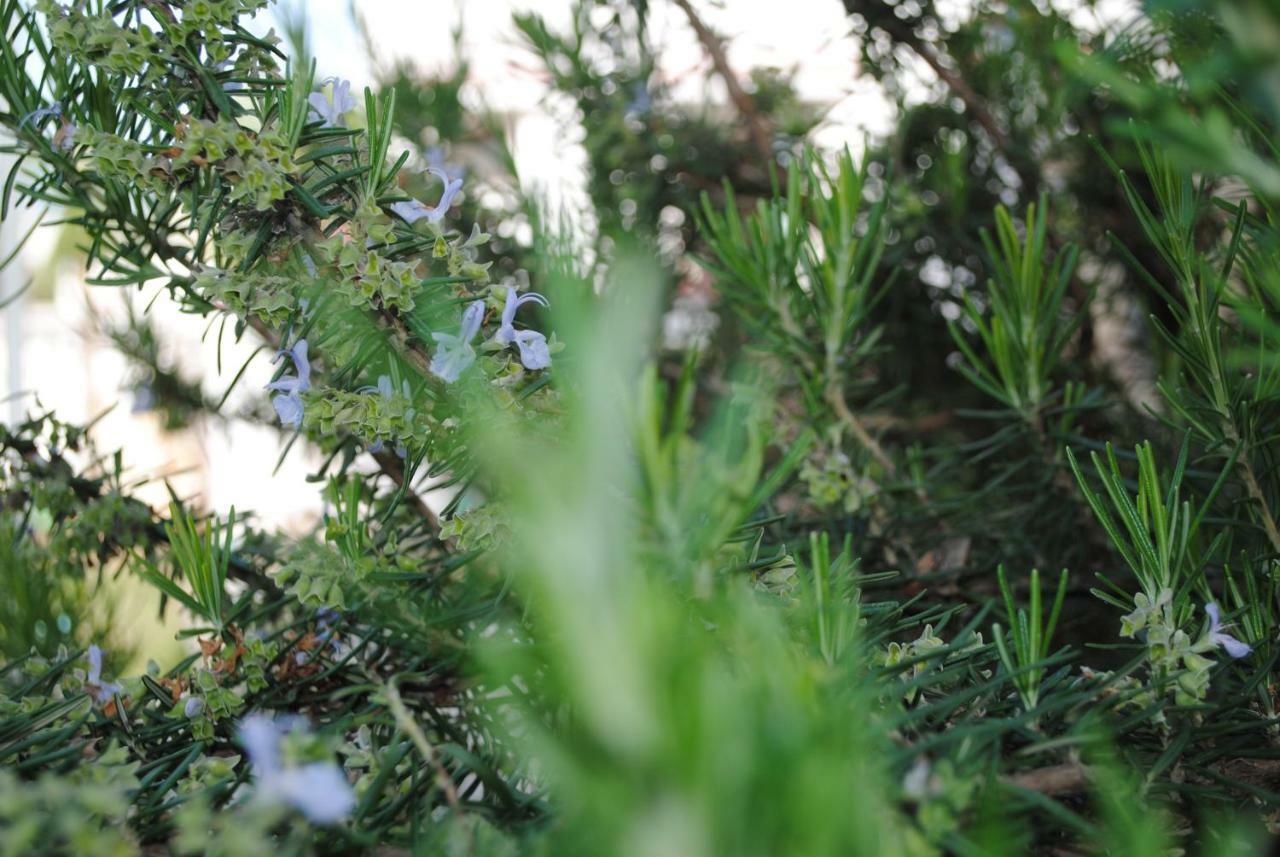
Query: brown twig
x,y
972,101
404,719
1067,778
835,398
1260,500
901,32
714,46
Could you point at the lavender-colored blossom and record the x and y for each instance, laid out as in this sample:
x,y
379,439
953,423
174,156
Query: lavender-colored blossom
x,y
327,621
641,102
100,690
318,789
452,186
332,107
437,166
288,404
1235,648
40,114
144,398
64,139
289,409
411,211
193,707
506,330
455,353
534,353
915,784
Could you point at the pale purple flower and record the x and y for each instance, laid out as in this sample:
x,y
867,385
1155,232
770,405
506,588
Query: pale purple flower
x,y
327,621
40,114
1235,648
915,784
455,353
318,789
144,398
641,102
289,409
100,690
436,165
451,188
411,211
64,139
332,107
534,353
288,404
193,707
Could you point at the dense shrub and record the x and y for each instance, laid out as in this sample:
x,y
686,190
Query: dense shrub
x,y
905,533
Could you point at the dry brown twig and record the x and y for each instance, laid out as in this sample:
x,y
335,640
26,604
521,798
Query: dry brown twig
x,y
757,125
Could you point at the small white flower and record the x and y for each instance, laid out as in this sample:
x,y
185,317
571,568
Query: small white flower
x,y
318,789
436,164
338,103
288,404
64,137
144,398
534,353
37,116
455,353
915,784
411,211
1235,648
100,690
